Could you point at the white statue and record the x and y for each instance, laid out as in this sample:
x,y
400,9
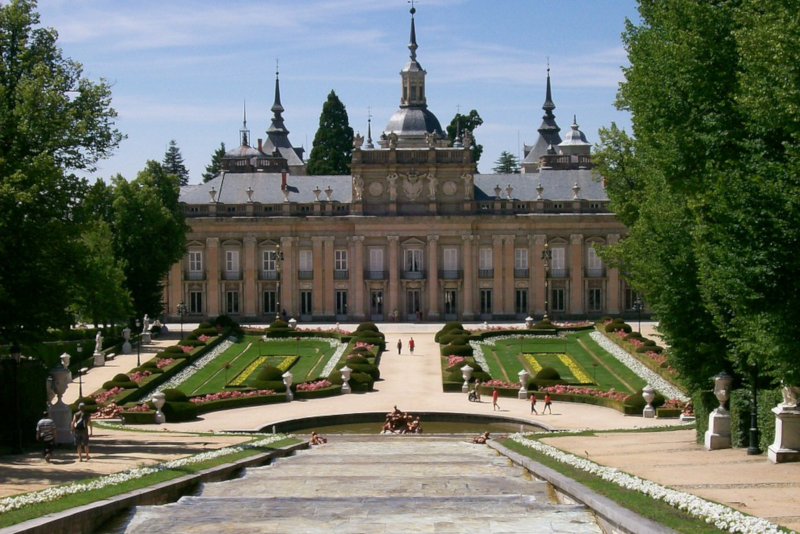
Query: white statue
x,y
467,185
790,395
392,179
467,139
145,324
432,183
358,186
98,342
358,140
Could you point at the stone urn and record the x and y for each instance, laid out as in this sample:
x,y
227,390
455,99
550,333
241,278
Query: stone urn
x,y
292,323
158,401
528,321
722,390
649,395
60,413
466,374
127,348
287,381
718,435
346,371
523,382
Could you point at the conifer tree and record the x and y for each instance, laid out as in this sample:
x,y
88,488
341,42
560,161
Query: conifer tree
x,y
507,163
333,142
216,163
173,163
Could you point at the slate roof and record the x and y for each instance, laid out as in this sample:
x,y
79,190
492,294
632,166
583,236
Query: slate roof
x,y
556,184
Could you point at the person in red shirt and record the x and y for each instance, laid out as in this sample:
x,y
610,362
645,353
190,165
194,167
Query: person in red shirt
x,y
547,404
533,404
495,395
411,345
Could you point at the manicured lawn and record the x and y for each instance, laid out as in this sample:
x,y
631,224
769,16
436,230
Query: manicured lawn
x,y
213,377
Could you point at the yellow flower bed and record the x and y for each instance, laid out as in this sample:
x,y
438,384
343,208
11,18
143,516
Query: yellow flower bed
x,y
532,363
241,377
575,369
287,362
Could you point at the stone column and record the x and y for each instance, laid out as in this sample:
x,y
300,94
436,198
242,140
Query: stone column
x,y
249,296
612,287
329,304
433,277
176,291
532,289
538,267
576,274
508,275
497,265
394,278
212,268
358,266
469,278
317,285
288,275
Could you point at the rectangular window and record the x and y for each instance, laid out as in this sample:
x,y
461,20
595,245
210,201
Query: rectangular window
x,y
558,262
594,265
340,260
232,261
486,301
341,302
305,302
413,260
268,260
232,302
195,261
521,301
557,299
306,260
595,299
270,302
450,259
195,302
630,298
485,259
520,258
376,259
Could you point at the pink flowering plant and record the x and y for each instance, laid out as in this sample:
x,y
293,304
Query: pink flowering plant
x,y
186,348
163,362
313,386
367,346
494,383
455,360
674,403
636,342
222,395
138,408
204,338
138,376
104,396
577,390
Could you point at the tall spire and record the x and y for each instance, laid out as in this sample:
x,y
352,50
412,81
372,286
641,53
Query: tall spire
x,y
369,129
245,133
549,129
277,125
412,44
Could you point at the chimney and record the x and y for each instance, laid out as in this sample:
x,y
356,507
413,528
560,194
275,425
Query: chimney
x,y
283,180
259,144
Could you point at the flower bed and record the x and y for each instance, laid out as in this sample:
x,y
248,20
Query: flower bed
x,y
719,515
313,386
222,395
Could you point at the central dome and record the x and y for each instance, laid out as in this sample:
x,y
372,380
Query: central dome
x,y
413,122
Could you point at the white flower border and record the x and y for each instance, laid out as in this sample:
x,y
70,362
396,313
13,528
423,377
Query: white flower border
x,y
9,504
184,375
477,351
721,516
644,372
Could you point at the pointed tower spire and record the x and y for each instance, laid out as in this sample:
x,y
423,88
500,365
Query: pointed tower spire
x,y
412,43
549,129
245,133
369,129
277,125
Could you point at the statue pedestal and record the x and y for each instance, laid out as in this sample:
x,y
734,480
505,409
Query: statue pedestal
x,y
718,435
127,348
61,414
99,359
649,412
146,338
787,435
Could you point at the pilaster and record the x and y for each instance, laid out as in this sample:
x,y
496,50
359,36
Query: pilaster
x,y
497,265
212,265
288,276
576,274
433,277
317,297
613,288
249,296
358,300
539,277
394,278
329,307
508,275
469,278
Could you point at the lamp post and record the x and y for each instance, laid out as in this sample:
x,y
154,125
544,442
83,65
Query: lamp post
x,y
79,349
138,345
638,306
182,311
547,255
80,381
16,443
753,448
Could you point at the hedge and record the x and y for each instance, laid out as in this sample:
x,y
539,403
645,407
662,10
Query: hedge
x,y
457,350
138,418
668,413
241,402
740,417
335,389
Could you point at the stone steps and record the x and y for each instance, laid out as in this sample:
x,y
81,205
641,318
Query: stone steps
x,y
395,485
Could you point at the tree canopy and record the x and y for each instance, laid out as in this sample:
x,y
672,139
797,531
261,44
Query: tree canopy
x,y
333,142
507,163
466,123
216,163
53,121
708,182
173,163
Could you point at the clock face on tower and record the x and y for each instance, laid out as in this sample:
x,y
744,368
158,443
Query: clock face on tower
x,y
449,188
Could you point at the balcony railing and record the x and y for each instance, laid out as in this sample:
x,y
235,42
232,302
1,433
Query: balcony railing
x,y
485,273
451,274
375,275
522,273
413,275
558,273
195,275
305,275
231,275
595,273
340,274
268,275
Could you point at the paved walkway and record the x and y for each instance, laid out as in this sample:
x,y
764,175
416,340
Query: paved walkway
x,y
413,383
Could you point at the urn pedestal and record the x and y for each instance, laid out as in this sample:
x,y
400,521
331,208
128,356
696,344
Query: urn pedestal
x,y
718,435
787,435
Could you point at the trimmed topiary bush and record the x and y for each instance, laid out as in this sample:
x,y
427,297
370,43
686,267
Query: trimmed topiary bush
x,y
647,348
361,382
548,373
633,335
191,343
225,322
174,349
355,360
637,400
457,350
205,324
269,373
613,327
544,324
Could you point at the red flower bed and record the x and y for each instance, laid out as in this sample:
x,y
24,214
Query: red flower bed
x,y
230,395
578,390
501,384
313,386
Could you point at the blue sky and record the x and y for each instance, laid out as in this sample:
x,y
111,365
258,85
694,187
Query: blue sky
x,y
182,69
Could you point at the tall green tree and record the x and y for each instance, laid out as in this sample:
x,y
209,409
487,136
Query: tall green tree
x,y
216,163
507,163
173,163
466,123
53,122
333,142
719,153
149,233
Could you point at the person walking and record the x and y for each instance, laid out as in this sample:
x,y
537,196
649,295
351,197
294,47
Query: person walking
x,y
411,345
82,429
399,346
495,395
548,404
533,404
46,433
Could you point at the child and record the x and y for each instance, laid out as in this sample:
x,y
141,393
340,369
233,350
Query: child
x,y
533,404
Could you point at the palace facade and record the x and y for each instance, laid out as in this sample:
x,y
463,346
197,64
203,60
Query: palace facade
x,y
412,231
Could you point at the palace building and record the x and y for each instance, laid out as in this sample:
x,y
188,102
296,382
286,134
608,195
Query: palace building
x,y
412,231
